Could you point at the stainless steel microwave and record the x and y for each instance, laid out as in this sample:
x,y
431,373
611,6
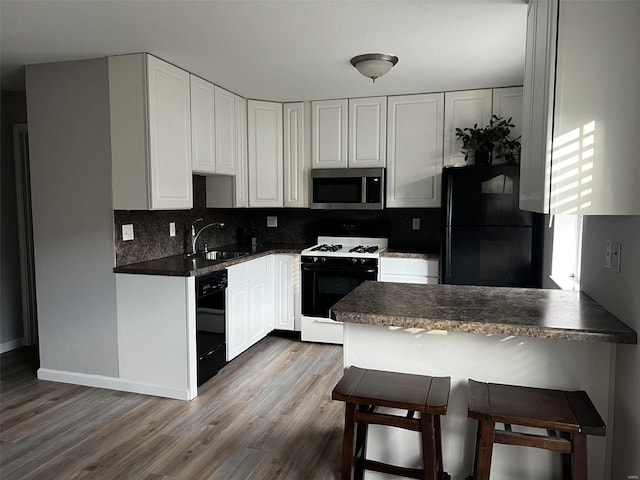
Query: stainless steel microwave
x,y
348,188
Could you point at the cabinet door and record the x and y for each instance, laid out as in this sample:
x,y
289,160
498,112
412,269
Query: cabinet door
x,y
329,134
169,135
258,301
203,147
414,146
241,184
237,319
225,124
265,154
367,132
283,292
297,158
507,102
463,109
537,109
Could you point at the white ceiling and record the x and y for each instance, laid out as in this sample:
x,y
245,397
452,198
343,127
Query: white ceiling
x,y
280,50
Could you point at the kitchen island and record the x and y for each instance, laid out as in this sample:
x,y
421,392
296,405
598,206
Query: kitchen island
x,y
541,338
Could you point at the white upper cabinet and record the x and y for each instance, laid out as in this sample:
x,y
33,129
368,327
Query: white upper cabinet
x,y
463,109
241,181
507,103
150,134
414,150
232,191
297,153
329,134
225,125
537,113
265,154
203,146
367,132
580,131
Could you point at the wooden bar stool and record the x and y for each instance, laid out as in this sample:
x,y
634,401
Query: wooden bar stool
x,y
364,391
568,418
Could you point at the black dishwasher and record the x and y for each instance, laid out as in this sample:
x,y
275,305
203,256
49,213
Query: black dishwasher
x,y
210,324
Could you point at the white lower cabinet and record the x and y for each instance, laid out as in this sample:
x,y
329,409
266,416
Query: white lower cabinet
x,y
409,270
286,296
249,316
152,360
237,320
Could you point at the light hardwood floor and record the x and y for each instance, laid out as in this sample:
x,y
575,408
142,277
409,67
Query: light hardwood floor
x,y
267,415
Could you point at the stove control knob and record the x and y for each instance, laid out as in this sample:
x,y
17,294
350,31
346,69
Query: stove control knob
x,y
315,259
323,259
354,260
362,261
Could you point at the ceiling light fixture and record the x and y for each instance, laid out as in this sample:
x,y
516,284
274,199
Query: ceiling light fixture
x,y
374,65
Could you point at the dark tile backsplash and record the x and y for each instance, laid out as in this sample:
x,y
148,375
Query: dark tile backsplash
x,y
297,225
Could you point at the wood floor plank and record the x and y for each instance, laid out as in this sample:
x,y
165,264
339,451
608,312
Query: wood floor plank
x,y
267,415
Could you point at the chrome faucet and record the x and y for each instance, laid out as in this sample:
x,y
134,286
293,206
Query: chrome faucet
x,y
195,235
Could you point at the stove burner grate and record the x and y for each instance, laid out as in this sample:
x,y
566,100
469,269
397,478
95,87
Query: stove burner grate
x,y
327,248
364,249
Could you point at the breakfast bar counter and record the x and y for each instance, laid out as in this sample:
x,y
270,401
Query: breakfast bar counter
x,y
525,312
539,338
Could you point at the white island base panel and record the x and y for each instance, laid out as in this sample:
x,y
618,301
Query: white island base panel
x,y
534,362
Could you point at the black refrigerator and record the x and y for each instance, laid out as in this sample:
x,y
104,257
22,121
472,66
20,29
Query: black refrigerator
x,y
486,238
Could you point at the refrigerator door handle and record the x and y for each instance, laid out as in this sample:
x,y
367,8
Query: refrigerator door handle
x,y
447,259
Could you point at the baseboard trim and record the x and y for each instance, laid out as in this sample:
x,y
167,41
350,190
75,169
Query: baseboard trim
x,y
11,345
111,383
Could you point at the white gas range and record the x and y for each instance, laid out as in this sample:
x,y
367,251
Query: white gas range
x,y
330,270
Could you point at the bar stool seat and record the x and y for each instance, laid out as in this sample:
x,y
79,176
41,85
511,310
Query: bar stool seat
x,y
568,418
364,391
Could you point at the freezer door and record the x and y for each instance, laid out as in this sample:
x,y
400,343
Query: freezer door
x,y
486,195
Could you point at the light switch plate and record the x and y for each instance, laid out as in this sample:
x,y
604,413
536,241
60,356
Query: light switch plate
x,y
616,257
272,221
607,255
415,224
172,229
127,232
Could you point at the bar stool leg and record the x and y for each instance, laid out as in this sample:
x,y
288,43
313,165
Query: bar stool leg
x,y
362,431
347,442
579,457
484,450
429,456
438,434
566,459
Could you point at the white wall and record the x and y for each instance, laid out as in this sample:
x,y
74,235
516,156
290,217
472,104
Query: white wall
x,y
68,114
620,294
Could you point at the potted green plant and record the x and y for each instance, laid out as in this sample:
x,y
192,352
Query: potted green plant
x,y
483,143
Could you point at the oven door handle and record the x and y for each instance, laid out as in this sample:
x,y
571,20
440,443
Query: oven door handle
x,y
338,268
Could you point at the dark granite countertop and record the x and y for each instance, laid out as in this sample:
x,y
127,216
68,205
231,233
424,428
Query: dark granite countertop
x,y
524,312
179,266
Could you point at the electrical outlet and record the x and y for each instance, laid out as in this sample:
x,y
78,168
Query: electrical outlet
x,y
272,221
607,255
172,229
616,257
127,232
415,224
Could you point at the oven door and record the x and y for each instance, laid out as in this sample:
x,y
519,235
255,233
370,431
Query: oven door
x,y
324,285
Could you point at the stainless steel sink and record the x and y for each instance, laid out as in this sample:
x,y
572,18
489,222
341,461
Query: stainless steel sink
x,y
220,255
216,255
